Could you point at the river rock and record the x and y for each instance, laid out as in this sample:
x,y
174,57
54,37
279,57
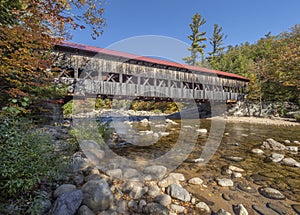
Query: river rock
x,y
173,178
296,142
163,199
115,173
84,210
177,208
63,189
93,151
195,181
154,191
292,148
240,209
137,192
236,175
290,162
278,208
257,151
234,158
236,169
227,197
199,160
272,145
246,188
131,173
144,122
177,176
97,195
155,209
275,157
169,121
296,208
271,193
202,130
122,207
163,134
225,182
79,163
129,185
202,206
67,203
263,210
156,171
178,192
222,212
78,180
133,205
142,203
92,177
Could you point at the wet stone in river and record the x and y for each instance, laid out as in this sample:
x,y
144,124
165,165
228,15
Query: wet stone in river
x,y
278,208
257,151
296,208
246,188
275,157
271,193
262,210
240,209
225,182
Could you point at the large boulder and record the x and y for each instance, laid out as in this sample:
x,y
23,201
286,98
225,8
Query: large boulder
x,y
97,195
67,203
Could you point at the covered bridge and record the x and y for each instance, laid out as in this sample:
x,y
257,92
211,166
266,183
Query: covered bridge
x,y
93,71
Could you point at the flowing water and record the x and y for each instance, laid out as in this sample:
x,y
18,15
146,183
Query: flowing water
x,y
237,141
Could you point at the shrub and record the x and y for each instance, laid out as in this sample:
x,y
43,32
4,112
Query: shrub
x,y
28,157
297,117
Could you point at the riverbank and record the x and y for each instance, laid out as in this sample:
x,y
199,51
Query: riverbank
x,y
265,121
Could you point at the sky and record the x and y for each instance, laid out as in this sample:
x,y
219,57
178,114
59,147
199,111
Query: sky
x,y
242,21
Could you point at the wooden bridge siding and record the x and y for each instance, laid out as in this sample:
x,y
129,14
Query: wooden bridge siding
x,y
158,75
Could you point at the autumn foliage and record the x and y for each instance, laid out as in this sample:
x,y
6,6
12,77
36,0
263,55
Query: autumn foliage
x,y
28,31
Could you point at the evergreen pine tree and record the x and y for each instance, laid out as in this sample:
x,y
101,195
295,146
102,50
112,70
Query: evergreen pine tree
x,y
197,39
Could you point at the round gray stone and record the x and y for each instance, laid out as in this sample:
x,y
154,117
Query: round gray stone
x,y
63,189
202,206
225,182
97,195
195,181
163,199
155,209
156,171
67,203
177,192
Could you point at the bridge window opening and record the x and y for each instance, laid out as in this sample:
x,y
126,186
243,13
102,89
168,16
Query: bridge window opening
x,y
187,85
175,84
147,81
161,83
198,87
112,77
88,74
130,79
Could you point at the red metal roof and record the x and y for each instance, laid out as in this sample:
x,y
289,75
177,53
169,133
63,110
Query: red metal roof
x,y
148,59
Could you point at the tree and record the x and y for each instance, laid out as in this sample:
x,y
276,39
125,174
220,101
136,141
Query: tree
x,y
216,42
28,32
197,39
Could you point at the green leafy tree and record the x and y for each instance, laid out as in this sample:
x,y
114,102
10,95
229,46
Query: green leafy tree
x,y
197,39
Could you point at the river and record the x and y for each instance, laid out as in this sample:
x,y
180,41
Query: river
x,y
234,148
